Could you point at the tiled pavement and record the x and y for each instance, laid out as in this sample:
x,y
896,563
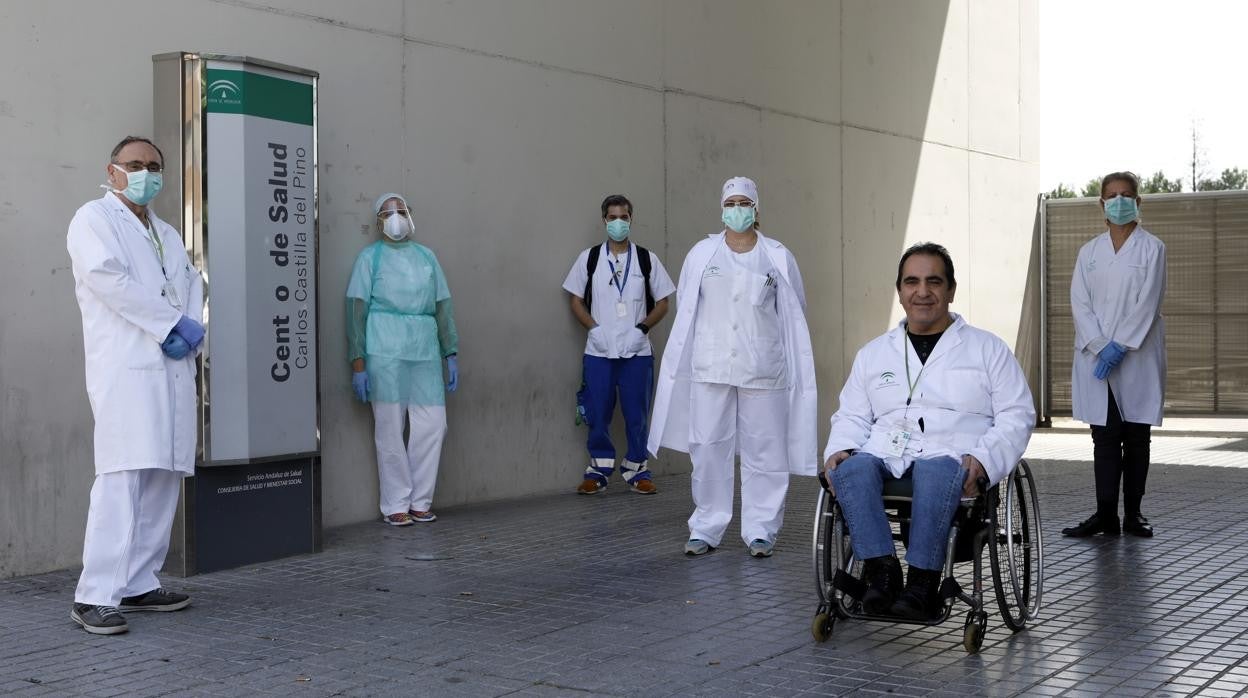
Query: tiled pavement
x,y
572,596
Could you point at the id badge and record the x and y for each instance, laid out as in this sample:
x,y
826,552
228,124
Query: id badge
x,y
621,309
170,292
899,437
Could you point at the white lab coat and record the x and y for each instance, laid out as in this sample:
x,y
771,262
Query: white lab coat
x,y
972,396
1117,296
669,424
144,402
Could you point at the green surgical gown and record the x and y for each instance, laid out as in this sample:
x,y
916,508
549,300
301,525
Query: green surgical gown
x,y
399,320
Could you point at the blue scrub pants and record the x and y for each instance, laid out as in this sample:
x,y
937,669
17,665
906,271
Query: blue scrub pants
x,y
632,379
859,483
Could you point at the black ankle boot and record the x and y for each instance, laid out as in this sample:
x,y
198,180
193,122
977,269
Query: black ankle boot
x,y
921,598
882,575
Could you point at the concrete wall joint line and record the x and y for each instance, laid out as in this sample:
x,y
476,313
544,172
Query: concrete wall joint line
x,y
1018,77
749,105
970,205
403,104
666,89
295,14
667,196
840,101
308,16
908,137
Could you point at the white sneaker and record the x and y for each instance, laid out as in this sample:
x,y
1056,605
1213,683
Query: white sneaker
x,y
697,546
761,548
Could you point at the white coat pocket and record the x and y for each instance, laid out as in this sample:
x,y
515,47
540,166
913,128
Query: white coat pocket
x,y
635,342
762,290
599,341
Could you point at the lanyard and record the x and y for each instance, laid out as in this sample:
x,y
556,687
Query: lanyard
x,y
615,280
905,351
158,247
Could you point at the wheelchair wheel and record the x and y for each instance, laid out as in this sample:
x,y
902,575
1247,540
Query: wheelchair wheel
x,y
821,548
1017,538
973,631
830,543
821,626
830,549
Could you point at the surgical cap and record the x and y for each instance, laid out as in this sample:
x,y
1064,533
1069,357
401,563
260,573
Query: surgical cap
x,y
743,186
384,198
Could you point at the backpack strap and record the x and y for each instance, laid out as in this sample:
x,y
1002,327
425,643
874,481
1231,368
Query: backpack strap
x,y
591,264
643,260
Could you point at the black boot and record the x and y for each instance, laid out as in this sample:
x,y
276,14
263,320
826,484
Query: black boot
x,y
921,598
882,575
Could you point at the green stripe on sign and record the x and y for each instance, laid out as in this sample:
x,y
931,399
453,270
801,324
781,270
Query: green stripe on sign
x,y
240,92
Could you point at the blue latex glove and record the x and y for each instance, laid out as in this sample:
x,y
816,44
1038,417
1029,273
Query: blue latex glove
x,y
452,371
359,383
1102,369
175,347
1113,353
191,331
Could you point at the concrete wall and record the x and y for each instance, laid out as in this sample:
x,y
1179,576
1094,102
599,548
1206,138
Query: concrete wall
x,y
868,125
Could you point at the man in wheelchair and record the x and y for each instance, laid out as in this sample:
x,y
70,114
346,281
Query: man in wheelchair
x,y
958,423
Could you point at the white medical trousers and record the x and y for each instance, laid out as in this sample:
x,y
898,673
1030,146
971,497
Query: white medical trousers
x,y
721,417
408,476
127,534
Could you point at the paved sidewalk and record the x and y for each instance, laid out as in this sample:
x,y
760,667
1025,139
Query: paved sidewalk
x,y
568,595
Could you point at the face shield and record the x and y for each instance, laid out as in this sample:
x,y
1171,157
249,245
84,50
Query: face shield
x,y
394,217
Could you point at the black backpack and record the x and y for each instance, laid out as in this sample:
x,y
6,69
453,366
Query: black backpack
x,y
591,264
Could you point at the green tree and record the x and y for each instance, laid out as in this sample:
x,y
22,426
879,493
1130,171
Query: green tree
x,y
1158,184
1092,188
1062,192
1234,178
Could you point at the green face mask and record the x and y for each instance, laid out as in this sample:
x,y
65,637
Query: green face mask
x,y
1121,210
141,186
617,229
739,218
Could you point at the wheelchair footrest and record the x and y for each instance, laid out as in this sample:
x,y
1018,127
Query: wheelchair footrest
x,y
849,584
950,589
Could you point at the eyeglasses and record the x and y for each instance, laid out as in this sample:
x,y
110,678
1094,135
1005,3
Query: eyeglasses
x,y
741,204
136,165
390,212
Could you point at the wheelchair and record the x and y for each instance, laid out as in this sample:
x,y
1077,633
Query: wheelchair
x,y
1005,518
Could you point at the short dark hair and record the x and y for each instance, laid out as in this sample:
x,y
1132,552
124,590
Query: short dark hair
x,y
136,139
934,250
616,200
1124,176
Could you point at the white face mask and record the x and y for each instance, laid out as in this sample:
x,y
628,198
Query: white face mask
x,y
397,226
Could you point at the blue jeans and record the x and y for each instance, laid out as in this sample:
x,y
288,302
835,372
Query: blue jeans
x,y
859,484
632,379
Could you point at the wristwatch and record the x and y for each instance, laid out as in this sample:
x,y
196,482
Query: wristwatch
x,y
645,329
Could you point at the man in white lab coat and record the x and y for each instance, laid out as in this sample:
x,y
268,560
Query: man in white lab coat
x,y
619,291
961,419
1118,378
142,305
738,373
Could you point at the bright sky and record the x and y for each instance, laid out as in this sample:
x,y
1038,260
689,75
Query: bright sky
x,y
1123,81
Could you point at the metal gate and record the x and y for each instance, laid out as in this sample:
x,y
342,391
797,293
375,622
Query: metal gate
x,y
1206,302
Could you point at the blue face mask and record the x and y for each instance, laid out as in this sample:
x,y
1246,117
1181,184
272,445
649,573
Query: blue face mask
x,y
739,218
141,186
1121,210
617,229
